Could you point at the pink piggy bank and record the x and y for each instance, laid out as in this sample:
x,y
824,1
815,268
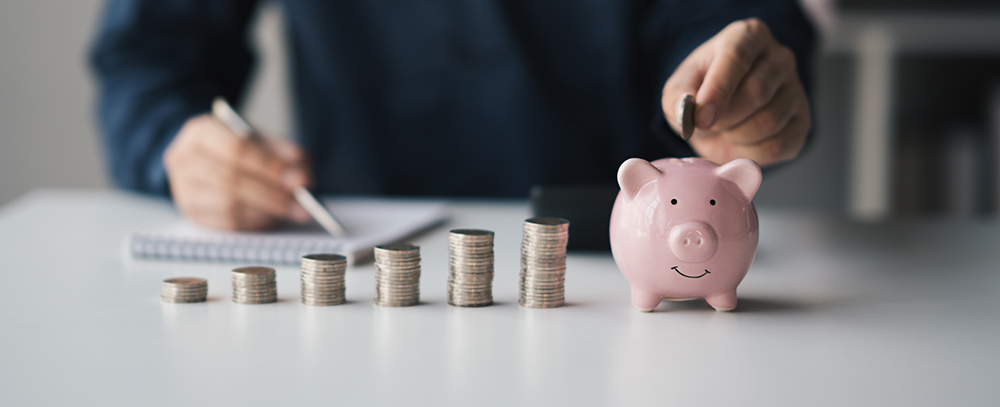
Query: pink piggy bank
x,y
685,228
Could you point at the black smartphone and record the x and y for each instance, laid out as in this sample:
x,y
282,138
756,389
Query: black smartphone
x,y
587,207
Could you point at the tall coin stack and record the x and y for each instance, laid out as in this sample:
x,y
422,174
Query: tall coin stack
x,y
397,275
323,279
470,268
184,289
254,285
543,262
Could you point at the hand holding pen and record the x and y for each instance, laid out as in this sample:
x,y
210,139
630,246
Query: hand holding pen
x,y
224,180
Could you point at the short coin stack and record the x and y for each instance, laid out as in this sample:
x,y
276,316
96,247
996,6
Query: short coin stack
x,y
543,262
184,289
397,275
254,285
323,279
470,268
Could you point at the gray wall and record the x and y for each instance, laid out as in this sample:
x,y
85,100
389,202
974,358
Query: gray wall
x,y
48,135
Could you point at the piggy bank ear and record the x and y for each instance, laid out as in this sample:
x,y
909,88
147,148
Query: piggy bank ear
x,y
633,174
744,173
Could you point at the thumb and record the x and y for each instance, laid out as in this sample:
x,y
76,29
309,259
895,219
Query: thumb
x,y
285,149
686,80
296,172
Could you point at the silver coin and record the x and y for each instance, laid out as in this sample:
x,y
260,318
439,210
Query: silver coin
x,y
324,258
254,283
324,285
253,292
253,271
323,302
459,278
685,114
255,297
323,279
256,302
183,293
182,300
185,288
322,297
185,281
312,272
252,278
397,304
329,287
322,294
471,304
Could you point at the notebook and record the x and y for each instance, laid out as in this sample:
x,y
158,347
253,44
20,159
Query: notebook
x,y
370,222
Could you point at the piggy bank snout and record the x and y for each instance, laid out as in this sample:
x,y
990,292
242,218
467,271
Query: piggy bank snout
x,y
693,241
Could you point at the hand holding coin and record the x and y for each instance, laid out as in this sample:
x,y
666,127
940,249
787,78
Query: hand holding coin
x,y
738,95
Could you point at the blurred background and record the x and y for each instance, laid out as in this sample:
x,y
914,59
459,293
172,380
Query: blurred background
x,y
906,100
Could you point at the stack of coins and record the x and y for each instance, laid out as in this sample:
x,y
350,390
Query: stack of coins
x,y
470,268
254,285
184,289
543,262
397,275
323,279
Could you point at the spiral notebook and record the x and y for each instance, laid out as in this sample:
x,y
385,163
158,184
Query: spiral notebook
x,y
370,222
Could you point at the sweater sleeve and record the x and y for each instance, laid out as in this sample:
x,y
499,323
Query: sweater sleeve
x,y
671,30
158,63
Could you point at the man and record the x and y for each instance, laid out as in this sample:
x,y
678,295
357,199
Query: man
x,y
446,97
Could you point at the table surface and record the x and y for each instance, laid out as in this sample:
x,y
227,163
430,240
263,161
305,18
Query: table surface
x,y
831,313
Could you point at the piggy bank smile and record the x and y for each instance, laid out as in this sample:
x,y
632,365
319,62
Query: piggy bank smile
x,y
675,268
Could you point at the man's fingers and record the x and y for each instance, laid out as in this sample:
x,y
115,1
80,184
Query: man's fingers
x,y
250,155
739,46
286,150
296,161
229,183
768,120
224,212
771,71
781,147
245,188
685,81
262,195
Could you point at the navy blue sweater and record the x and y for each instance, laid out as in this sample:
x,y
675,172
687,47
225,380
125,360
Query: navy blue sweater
x,y
435,97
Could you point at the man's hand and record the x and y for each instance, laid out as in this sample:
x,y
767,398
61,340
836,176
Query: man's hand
x,y
750,102
228,182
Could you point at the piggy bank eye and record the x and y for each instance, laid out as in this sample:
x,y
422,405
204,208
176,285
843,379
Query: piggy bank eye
x,y
711,202
673,201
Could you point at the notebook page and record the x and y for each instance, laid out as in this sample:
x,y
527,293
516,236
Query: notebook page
x,y
370,222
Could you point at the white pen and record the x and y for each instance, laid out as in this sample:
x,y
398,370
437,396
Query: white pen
x,y
223,112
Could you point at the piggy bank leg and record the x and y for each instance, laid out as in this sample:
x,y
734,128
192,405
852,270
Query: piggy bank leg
x,y
722,302
645,301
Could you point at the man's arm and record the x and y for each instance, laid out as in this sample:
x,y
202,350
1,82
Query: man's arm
x,y
746,62
159,63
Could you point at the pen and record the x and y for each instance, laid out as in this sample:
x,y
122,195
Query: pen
x,y
223,112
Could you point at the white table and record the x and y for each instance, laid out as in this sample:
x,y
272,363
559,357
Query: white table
x,y
832,313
